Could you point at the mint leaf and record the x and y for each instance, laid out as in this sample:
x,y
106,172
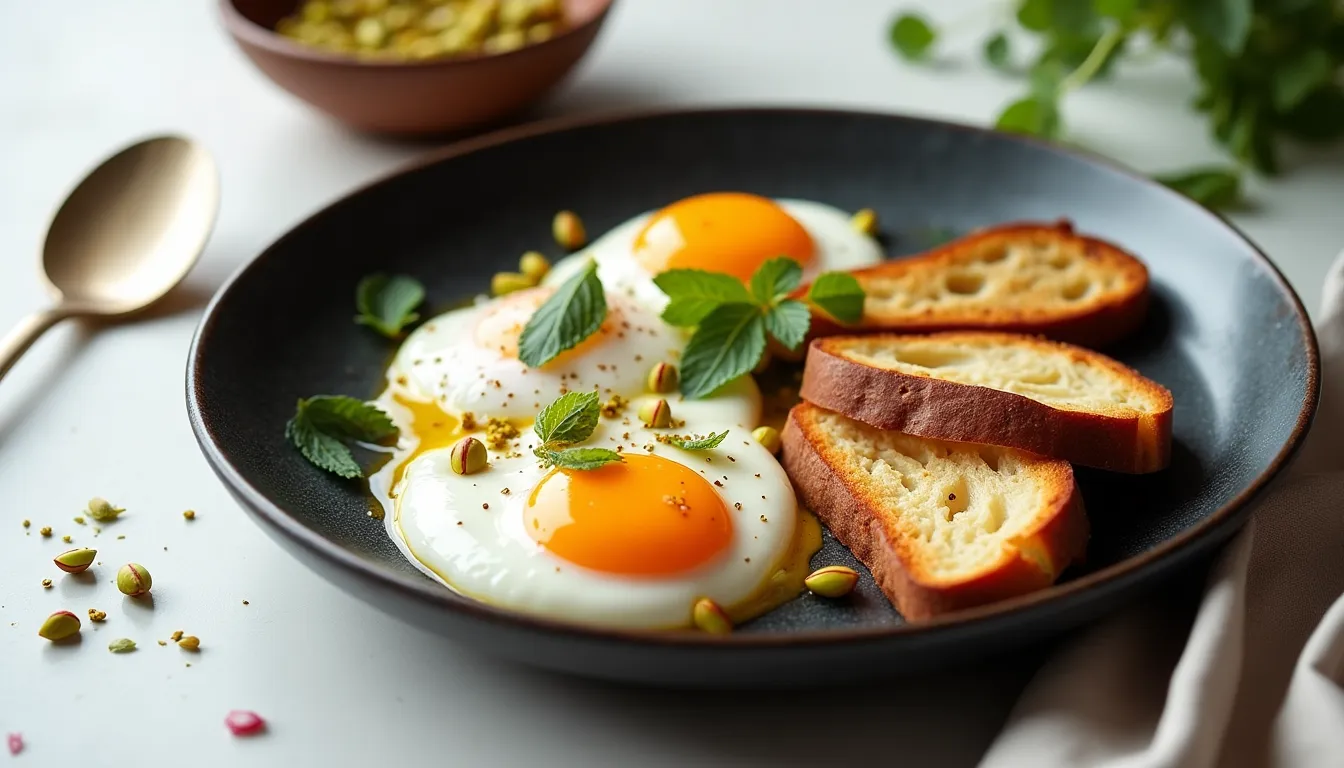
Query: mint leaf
x,y
578,458
788,322
1030,116
1122,10
569,419
1301,75
699,443
322,450
996,51
573,313
1210,187
387,304
1226,22
911,36
728,344
694,293
839,295
1034,15
775,278
346,418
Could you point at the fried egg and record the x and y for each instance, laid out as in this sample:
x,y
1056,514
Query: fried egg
x,y
729,232
629,545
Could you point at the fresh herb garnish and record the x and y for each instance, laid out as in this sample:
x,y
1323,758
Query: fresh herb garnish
x,y
387,304
571,314
839,295
732,321
1267,71
699,443
322,423
571,419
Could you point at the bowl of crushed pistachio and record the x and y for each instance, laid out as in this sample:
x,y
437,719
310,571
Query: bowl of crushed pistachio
x,y
415,66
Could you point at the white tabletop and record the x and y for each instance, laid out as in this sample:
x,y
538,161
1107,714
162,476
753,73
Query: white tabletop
x,y
100,411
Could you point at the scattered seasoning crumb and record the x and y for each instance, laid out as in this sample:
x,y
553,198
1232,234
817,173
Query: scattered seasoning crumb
x,y
97,530
498,433
176,636
758,474
27,523
45,530
163,642
469,421
459,522
79,520
764,519
246,603
737,505
189,643
190,514
121,536
504,491
746,559
97,615
188,663
485,506
66,539
241,722
46,583
15,741
121,645
951,497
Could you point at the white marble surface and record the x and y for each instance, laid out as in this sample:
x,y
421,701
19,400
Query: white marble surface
x,y
100,411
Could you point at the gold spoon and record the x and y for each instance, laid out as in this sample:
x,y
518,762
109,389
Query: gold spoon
x,y
129,232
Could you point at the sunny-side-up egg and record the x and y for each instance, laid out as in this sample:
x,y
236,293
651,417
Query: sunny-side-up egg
x,y
729,232
630,545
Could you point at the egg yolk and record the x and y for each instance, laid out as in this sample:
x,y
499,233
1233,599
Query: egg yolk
x,y
646,516
729,232
501,326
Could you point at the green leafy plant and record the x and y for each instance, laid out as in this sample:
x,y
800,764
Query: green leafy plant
x,y
732,320
571,419
387,304
1268,70
322,424
573,313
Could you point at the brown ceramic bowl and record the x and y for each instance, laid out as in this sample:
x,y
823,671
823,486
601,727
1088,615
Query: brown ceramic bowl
x,y
410,98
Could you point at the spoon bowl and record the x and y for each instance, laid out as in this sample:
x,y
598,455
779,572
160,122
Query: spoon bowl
x,y
133,227
128,233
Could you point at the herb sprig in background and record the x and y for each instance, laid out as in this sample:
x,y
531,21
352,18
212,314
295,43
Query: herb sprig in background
x,y
1269,70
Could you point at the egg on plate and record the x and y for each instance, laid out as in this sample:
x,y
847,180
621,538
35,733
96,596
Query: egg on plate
x,y
632,544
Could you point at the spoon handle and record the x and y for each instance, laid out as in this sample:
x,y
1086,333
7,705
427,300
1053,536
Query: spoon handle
x,y
18,340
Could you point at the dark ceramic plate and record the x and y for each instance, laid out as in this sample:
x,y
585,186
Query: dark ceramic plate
x,y
1225,334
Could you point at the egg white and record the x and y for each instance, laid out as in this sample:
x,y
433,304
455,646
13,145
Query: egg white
x,y
466,532
838,247
442,362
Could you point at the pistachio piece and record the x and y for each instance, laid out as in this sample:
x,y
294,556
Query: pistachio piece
x,y
121,645
76,560
468,456
508,282
864,221
832,581
101,509
46,583
134,580
768,437
710,617
370,32
534,266
59,626
656,414
568,230
189,643
190,514
663,378
45,530
97,615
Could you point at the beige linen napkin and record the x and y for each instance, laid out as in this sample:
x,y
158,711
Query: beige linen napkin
x,y
1260,678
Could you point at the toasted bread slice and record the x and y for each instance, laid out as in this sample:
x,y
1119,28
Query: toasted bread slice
x,y
1028,278
942,526
1057,400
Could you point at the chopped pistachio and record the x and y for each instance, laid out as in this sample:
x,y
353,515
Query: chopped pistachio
x,y
507,282
66,539
45,530
121,645
27,523
79,519
189,643
101,509
176,636
46,583
567,228
190,514
96,615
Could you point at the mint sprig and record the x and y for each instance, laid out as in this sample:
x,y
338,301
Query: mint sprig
x,y
733,321
705,443
321,425
387,304
573,313
571,419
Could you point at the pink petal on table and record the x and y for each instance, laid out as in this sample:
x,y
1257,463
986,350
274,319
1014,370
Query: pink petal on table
x,y
15,741
244,723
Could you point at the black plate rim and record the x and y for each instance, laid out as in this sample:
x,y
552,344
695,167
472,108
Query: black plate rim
x,y
1171,552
